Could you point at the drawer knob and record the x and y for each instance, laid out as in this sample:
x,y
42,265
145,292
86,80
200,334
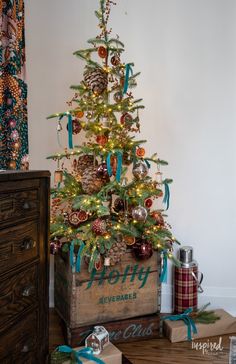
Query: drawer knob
x,y
26,205
28,291
25,349
28,244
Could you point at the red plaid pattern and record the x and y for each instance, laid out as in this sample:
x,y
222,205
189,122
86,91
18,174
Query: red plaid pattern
x,y
186,289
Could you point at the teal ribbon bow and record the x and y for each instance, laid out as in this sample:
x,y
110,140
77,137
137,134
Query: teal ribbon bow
x,y
191,327
128,70
166,198
119,165
70,128
86,353
163,275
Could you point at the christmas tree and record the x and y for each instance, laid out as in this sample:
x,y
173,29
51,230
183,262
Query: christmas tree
x,y
103,196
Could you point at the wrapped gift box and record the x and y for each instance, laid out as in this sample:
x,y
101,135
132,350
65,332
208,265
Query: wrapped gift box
x,y
176,331
110,355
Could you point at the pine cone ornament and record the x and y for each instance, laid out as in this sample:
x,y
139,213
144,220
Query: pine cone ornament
x,y
116,252
96,80
91,182
85,161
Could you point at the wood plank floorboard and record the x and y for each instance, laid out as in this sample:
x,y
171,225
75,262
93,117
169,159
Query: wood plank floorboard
x,y
155,351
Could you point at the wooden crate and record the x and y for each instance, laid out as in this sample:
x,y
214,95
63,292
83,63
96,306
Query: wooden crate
x,y
130,289
129,330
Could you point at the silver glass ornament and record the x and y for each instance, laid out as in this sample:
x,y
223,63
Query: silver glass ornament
x,y
59,127
139,213
140,170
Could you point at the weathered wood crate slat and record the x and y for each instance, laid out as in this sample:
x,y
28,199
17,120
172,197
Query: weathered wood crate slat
x,y
129,330
130,289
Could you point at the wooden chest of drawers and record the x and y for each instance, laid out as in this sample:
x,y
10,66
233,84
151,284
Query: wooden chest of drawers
x,y
24,263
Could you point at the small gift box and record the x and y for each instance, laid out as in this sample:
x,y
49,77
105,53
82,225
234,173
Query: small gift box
x,y
81,355
182,327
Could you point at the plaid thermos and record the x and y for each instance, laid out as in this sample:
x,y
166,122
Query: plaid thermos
x,y
187,283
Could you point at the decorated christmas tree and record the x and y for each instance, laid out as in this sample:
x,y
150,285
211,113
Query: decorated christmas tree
x,y
103,199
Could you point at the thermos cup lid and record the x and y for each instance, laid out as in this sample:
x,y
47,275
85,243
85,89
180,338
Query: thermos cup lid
x,y
186,254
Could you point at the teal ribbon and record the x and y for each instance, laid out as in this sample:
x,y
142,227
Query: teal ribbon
x,y
109,169
163,275
128,70
72,247
78,261
191,327
86,353
147,163
166,198
70,129
119,165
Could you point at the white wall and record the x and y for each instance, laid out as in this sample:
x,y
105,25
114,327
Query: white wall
x,y
186,50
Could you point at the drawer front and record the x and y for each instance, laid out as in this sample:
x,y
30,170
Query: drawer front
x,y
18,245
19,344
18,205
18,292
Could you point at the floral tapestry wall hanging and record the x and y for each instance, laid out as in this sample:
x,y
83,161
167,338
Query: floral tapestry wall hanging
x,y
13,89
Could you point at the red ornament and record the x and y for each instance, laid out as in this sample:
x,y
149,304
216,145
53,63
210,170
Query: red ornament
x,y
142,249
102,52
76,126
101,139
157,216
148,203
99,226
12,123
140,152
55,245
98,264
126,119
73,219
115,60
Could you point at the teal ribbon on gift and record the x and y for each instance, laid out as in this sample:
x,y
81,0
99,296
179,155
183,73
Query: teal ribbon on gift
x,y
85,353
128,70
119,155
189,322
163,275
166,199
70,128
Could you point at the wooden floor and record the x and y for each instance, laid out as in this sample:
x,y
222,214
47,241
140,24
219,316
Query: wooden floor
x,y
156,351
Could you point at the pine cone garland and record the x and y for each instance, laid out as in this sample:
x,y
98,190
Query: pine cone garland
x,y
85,161
96,80
116,252
91,182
